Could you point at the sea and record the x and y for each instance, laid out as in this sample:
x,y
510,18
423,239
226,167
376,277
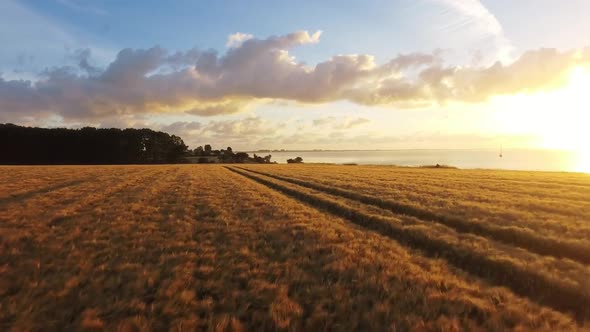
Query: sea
x,y
511,159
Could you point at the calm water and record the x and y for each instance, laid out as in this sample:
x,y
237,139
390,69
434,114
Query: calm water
x,y
538,160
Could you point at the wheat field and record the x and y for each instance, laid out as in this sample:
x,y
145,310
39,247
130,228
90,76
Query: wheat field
x,y
292,247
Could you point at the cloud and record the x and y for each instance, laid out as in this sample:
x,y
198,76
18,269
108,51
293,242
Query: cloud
x,y
340,123
236,39
202,82
29,35
183,127
82,56
353,123
240,129
218,108
239,133
342,140
534,71
473,15
324,121
254,132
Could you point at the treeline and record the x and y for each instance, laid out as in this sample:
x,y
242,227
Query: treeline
x,y
27,145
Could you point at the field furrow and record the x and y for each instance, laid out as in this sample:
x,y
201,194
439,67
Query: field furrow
x,y
562,218
526,274
324,227
518,236
70,261
18,184
36,221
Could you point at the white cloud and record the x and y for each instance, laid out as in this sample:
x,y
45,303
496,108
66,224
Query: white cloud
x,y
241,133
236,39
149,81
339,123
473,15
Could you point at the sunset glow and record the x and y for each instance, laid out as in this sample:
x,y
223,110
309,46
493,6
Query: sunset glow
x,y
559,118
568,128
399,165
574,132
475,79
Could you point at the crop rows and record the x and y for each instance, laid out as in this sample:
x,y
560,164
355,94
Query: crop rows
x,y
561,212
204,247
561,284
518,236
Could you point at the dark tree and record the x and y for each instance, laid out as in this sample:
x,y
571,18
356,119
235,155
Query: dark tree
x,y
26,145
207,149
240,157
297,160
198,151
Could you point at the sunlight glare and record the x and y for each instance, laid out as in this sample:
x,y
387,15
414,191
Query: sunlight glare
x,y
560,118
575,134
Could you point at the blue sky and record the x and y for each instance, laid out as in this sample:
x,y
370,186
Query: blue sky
x,y
415,106
380,28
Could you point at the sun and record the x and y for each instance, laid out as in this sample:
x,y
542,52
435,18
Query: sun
x,y
582,164
559,119
572,125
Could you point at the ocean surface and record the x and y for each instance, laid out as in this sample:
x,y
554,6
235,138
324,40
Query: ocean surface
x,y
535,160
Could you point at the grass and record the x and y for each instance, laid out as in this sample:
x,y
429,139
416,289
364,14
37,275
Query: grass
x,y
298,247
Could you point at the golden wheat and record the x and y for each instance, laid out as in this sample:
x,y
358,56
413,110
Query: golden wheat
x,y
202,247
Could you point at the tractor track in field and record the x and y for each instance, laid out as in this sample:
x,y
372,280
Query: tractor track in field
x,y
525,282
492,190
59,185
32,193
515,236
59,216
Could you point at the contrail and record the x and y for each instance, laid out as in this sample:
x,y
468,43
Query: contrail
x,y
475,14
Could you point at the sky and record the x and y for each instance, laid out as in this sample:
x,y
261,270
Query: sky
x,y
397,74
